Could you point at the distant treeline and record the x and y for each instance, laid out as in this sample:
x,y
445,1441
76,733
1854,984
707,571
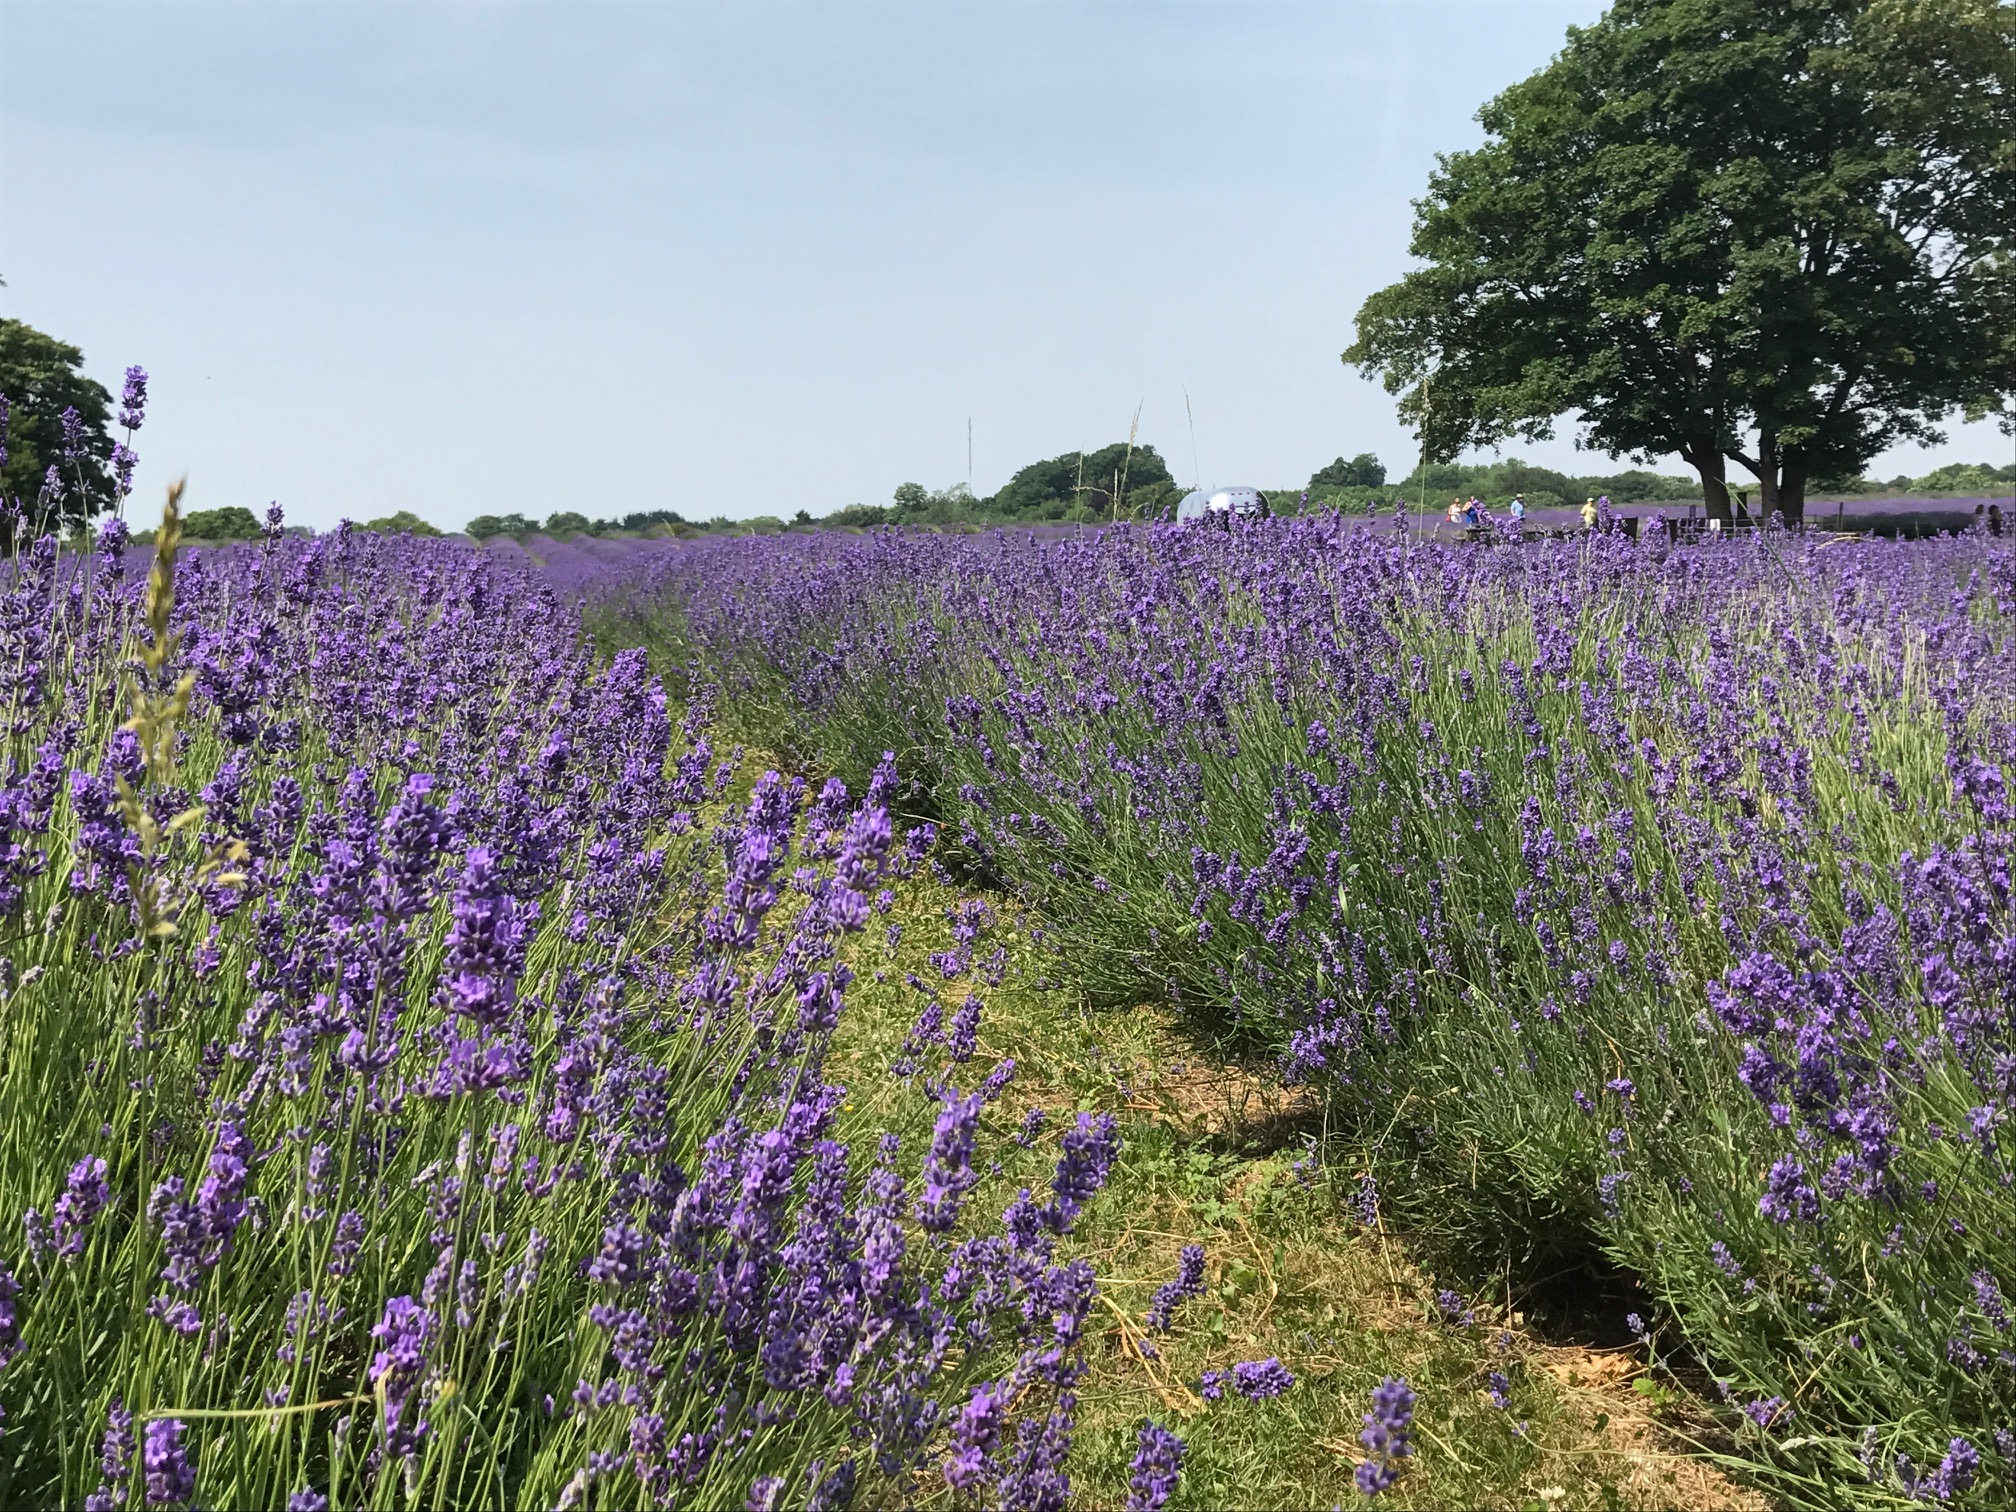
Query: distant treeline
x,y
1360,484
234,522
1081,487
1078,486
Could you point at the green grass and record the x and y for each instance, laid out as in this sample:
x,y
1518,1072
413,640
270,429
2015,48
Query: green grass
x,y
1217,1155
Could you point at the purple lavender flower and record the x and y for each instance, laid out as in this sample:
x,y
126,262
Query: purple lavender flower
x,y
85,1195
220,1202
182,1233
1386,1436
399,1368
1454,1310
115,1453
1499,1387
1035,1478
1088,1154
133,399
618,1263
1158,1461
1257,1380
1788,1196
1171,1295
948,1168
177,1314
963,1034
348,1241
831,1489
1956,1471
1211,1385
1365,1202
997,1081
486,943
926,1031
170,1478
1767,1412
1988,1297
1607,1187
975,1432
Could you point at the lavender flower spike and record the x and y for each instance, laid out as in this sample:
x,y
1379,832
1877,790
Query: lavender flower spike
x,y
1158,1460
1386,1436
1089,1152
171,1480
1173,1294
1257,1380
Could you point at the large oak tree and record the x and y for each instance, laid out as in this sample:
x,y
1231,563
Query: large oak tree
x,y
41,380
1770,232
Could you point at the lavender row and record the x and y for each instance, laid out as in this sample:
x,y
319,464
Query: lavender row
x,y
1666,889
414,1081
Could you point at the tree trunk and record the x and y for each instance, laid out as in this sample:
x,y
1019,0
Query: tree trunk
x,y
1792,488
1706,459
1768,502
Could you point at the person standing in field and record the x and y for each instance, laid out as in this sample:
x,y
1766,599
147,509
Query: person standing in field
x,y
1589,514
1518,512
1456,509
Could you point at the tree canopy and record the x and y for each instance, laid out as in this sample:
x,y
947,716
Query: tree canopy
x,y
1083,485
55,418
230,522
401,522
1769,232
1362,471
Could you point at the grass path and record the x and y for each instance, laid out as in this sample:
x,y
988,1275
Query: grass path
x,y
1215,1156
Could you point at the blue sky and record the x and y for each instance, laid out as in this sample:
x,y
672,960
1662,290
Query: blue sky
x,y
732,258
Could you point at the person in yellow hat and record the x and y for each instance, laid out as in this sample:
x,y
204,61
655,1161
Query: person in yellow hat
x,y
1589,515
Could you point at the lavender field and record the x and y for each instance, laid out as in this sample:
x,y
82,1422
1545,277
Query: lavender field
x,y
1617,899
445,1068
